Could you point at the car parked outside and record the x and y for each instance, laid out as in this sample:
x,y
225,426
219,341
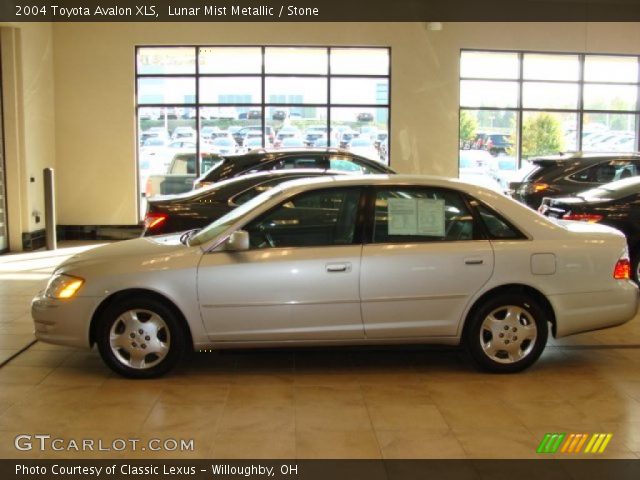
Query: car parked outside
x,y
562,175
616,204
345,260
321,158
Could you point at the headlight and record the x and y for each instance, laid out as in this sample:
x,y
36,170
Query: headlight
x,y
63,286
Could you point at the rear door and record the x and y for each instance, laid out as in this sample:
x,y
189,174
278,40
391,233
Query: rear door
x,y
425,261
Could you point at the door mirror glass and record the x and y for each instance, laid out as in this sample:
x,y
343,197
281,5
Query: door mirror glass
x,y
237,241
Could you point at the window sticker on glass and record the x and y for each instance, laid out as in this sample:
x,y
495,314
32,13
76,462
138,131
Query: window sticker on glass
x,y
416,216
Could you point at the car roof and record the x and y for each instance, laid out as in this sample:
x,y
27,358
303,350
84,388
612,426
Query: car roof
x,y
587,155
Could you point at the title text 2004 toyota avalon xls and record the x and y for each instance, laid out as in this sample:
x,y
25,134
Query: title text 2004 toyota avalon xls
x,y
357,260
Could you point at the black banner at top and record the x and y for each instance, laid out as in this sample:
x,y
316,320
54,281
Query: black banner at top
x,y
318,10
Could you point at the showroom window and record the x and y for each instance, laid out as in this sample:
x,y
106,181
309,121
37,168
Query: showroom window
x,y
195,101
520,105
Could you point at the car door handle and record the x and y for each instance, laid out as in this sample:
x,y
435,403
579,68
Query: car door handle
x,y
338,267
473,261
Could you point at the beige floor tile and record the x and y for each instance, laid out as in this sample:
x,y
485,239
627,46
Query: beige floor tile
x,y
36,419
6,354
251,419
532,414
115,416
481,414
397,417
77,376
328,396
396,395
260,395
514,442
471,391
415,444
326,377
10,375
40,358
168,419
249,445
333,418
15,341
610,411
206,395
360,444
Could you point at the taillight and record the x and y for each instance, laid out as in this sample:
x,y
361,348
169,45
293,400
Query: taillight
x,y
583,217
153,220
622,270
539,187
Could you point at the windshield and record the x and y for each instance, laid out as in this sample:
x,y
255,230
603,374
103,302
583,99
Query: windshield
x,y
223,223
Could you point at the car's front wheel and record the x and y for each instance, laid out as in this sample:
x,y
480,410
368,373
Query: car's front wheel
x,y
140,338
507,333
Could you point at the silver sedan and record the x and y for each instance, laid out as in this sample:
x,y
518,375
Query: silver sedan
x,y
334,261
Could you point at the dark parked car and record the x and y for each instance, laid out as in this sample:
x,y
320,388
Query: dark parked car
x,y
198,208
616,204
563,175
261,160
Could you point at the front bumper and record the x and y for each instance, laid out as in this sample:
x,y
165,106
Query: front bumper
x,y
63,322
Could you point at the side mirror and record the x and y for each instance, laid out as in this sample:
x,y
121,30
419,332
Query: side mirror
x,y
237,241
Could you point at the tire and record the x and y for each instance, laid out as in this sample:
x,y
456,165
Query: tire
x,y
507,317
140,338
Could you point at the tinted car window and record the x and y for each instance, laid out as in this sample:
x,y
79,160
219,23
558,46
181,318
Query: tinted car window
x,y
345,164
319,218
606,172
297,162
405,215
497,226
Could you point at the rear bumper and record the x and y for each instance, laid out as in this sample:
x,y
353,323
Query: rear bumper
x,y
582,312
63,322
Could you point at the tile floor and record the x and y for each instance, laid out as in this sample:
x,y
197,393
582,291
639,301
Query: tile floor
x,y
413,402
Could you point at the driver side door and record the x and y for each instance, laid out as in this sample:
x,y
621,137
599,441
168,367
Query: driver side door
x,y
299,280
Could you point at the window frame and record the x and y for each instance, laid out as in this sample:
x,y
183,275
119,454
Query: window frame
x,y
580,111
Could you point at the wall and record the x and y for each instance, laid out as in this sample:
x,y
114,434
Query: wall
x,y
94,91
28,90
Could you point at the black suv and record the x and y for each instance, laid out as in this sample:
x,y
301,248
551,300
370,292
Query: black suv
x,y
568,174
282,159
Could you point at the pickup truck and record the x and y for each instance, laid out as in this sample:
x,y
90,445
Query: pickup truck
x,y
180,174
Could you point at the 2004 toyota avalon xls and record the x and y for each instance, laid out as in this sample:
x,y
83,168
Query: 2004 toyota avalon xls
x,y
358,260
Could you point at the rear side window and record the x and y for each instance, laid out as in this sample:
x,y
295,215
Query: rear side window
x,y
289,163
412,215
606,172
346,164
496,225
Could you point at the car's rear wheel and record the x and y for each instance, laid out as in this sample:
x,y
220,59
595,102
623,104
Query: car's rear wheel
x,y
507,333
140,338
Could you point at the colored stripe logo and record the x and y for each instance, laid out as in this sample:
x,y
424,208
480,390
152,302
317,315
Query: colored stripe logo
x,y
573,443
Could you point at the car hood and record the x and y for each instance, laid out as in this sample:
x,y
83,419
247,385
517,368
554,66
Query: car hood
x,y
144,249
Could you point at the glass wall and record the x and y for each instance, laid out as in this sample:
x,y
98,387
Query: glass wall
x,y
518,105
198,102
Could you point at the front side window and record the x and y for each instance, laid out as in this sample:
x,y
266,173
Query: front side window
x,y
313,219
410,215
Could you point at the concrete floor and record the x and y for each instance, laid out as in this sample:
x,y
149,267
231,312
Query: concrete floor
x,y
334,403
